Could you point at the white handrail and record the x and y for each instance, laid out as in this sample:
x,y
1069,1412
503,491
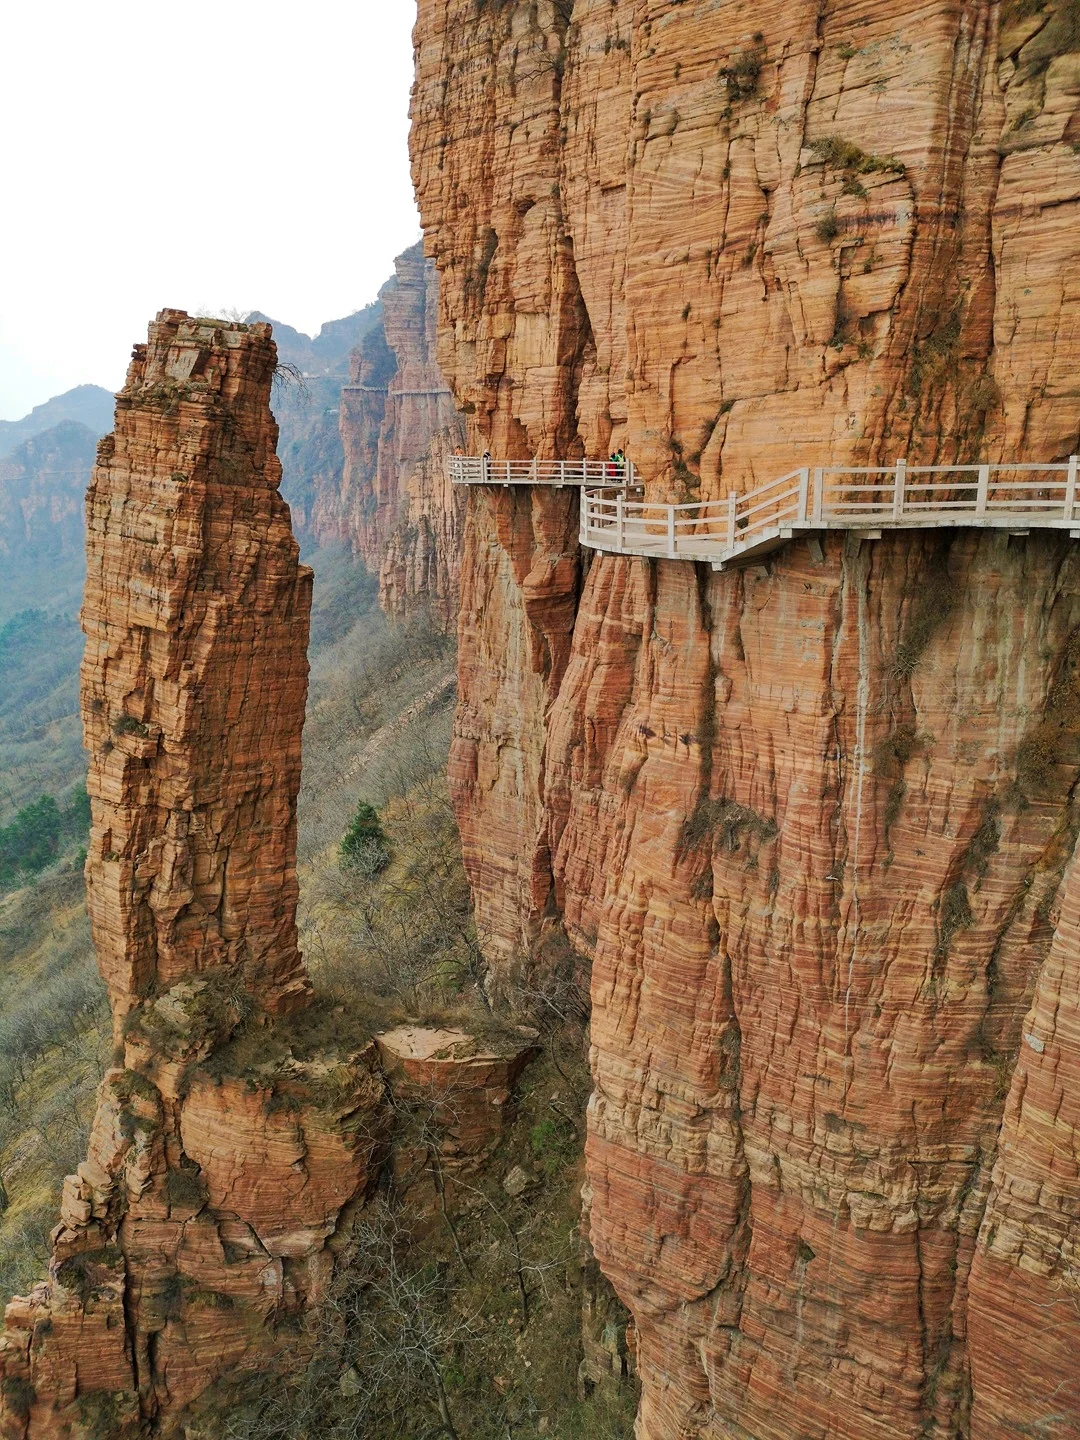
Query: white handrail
x,y
823,497
484,470
835,497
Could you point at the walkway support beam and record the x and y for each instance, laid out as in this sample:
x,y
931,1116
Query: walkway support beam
x,y
982,490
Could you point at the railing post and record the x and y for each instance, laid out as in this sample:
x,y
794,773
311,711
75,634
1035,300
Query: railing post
x,y
619,520
535,470
899,486
732,501
1070,487
982,493
671,532
819,486
804,491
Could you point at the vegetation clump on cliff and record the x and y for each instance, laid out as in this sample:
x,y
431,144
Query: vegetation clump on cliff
x,y
840,154
740,77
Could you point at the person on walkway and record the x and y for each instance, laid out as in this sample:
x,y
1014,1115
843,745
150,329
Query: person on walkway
x,y
485,466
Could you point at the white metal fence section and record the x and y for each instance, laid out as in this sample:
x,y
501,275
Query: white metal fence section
x,y
900,496
483,470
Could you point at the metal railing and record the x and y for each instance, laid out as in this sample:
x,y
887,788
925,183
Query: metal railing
x,y
483,470
899,496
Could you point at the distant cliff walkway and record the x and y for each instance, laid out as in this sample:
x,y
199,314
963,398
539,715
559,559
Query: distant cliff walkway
x,y
483,470
870,499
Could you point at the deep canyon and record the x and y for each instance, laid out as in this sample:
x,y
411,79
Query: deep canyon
x,y
810,825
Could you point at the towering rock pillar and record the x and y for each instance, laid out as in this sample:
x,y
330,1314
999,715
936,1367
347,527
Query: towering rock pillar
x,y
199,1220
195,675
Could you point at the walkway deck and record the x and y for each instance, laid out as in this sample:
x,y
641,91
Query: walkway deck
x,y
476,470
870,500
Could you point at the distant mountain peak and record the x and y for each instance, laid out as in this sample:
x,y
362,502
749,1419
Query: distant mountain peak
x,y
89,405
326,353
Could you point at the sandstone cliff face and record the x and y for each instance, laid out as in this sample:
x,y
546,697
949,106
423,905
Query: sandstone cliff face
x,y
392,501
824,894
813,822
200,1217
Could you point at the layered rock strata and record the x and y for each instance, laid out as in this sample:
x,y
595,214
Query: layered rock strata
x,y
392,501
826,891
200,1219
812,822
459,1088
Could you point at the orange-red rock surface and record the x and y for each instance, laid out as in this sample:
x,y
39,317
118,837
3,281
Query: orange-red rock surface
x,y
199,1219
458,1087
813,821
195,674
393,502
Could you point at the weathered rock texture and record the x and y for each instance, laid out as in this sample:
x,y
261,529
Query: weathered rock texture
x,y
306,401
195,675
392,501
456,1086
814,822
199,1220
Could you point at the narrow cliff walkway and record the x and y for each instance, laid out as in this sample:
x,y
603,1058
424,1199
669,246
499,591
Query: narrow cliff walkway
x,y
483,470
869,499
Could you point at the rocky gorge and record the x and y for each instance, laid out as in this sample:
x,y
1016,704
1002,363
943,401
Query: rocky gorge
x,y
240,1126
389,498
809,827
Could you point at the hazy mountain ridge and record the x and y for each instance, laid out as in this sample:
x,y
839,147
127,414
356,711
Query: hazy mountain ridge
x,y
89,405
42,484
308,409
326,353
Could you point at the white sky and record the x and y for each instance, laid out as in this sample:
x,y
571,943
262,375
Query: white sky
x,y
247,154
